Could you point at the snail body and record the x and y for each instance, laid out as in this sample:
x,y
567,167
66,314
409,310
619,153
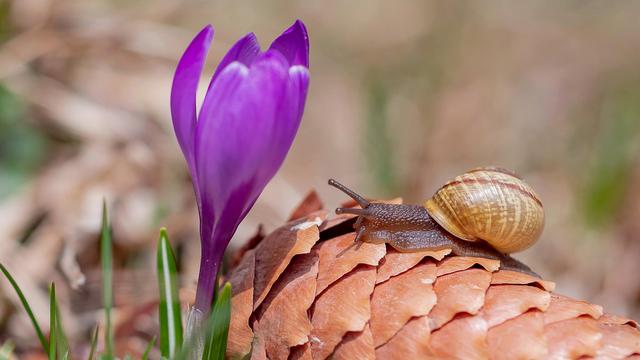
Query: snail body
x,y
487,212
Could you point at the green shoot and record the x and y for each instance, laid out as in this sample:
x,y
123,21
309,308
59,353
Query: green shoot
x,y
25,304
52,322
170,318
6,350
62,343
145,355
106,259
94,341
218,326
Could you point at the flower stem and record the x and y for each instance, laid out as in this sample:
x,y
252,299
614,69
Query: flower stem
x,y
209,264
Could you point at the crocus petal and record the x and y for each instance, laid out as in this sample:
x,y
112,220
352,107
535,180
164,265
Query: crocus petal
x,y
235,141
183,91
244,51
217,105
294,44
292,109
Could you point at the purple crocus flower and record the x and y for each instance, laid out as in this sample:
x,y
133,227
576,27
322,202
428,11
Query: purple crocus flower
x,y
240,137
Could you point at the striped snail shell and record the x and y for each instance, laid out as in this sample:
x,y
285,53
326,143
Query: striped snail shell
x,y
489,204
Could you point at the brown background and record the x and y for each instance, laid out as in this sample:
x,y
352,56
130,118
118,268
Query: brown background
x,y
404,95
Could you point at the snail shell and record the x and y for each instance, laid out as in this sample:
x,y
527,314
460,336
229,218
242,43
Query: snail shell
x,y
489,204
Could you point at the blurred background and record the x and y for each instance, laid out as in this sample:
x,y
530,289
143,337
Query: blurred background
x,y
404,95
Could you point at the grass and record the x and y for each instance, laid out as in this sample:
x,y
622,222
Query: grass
x,y
614,155
172,346
106,259
379,147
27,308
218,325
62,343
94,342
53,322
169,311
147,350
6,351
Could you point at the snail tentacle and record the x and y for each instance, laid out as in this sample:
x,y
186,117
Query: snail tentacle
x,y
352,194
353,211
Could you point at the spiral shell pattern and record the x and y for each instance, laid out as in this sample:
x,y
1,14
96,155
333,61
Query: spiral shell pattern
x,y
490,204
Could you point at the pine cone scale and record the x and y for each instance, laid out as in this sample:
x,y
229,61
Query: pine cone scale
x,y
395,262
356,345
505,302
462,338
341,308
521,337
459,292
401,298
298,282
411,342
274,252
339,257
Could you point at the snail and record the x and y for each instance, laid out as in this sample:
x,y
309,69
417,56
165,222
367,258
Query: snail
x,y
486,212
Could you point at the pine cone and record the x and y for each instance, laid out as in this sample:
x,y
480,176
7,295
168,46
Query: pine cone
x,y
303,292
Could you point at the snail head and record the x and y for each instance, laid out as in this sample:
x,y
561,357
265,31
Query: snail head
x,y
365,212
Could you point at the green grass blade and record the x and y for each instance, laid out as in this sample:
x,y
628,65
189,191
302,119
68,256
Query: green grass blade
x,y
145,355
218,326
170,318
94,341
106,259
52,322
380,151
6,351
62,342
25,304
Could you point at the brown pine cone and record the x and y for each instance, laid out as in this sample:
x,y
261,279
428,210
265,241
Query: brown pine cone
x,y
303,293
